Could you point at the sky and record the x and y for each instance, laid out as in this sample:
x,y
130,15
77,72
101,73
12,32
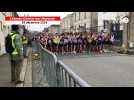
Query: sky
x,y
40,27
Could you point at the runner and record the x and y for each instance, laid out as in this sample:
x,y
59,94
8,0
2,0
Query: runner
x,y
93,43
77,44
111,41
49,43
57,43
61,44
84,42
99,43
70,42
54,44
74,43
65,43
80,43
89,41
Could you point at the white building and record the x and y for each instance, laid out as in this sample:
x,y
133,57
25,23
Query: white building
x,y
131,31
81,19
67,23
54,29
112,22
4,30
109,17
84,21
79,22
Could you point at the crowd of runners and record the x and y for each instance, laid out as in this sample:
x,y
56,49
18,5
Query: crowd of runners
x,y
75,42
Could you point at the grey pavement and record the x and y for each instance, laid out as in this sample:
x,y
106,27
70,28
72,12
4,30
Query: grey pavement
x,y
129,51
104,70
38,77
5,72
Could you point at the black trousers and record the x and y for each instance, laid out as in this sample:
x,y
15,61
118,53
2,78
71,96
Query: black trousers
x,y
16,66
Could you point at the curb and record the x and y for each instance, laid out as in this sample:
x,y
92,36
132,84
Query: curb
x,y
123,51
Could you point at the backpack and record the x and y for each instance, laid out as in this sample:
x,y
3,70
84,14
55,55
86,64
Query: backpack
x,y
8,44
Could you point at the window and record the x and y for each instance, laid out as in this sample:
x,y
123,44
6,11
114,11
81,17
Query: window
x,y
1,26
105,24
104,12
67,23
4,13
4,28
85,25
75,17
79,15
121,27
85,15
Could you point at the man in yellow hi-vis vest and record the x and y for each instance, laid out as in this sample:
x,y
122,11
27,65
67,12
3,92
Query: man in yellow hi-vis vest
x,y
25,44
16,56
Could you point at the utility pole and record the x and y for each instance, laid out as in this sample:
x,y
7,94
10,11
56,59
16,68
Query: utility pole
x,y
131,30
128,30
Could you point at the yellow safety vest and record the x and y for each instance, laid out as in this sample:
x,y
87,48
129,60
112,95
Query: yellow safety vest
x,y
56,40
13,44
24,40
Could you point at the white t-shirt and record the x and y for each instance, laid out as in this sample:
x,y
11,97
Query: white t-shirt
x,y
112,39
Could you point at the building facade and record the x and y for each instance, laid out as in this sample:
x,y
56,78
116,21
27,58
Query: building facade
x,y
4,29
80,22
54,29
85,21
106,18
130,33
111,22
67,23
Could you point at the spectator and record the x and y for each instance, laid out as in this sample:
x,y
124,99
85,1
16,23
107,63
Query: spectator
x,y
16,57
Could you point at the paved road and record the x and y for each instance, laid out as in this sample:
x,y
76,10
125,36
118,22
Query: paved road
x,y
104,70
5,72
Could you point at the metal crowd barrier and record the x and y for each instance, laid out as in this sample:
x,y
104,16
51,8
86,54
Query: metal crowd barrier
x,y
57,73
67,78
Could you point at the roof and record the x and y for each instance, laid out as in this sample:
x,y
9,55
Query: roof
x,y
55,26
69,15
15,14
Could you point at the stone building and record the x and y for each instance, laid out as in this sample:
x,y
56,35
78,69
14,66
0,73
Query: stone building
x,y
80,22
54,29
67,23
4,29
85,21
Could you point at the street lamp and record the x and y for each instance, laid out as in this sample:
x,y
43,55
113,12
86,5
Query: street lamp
x,y
125,20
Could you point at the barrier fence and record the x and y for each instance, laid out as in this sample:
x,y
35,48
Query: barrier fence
x,y
56,72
